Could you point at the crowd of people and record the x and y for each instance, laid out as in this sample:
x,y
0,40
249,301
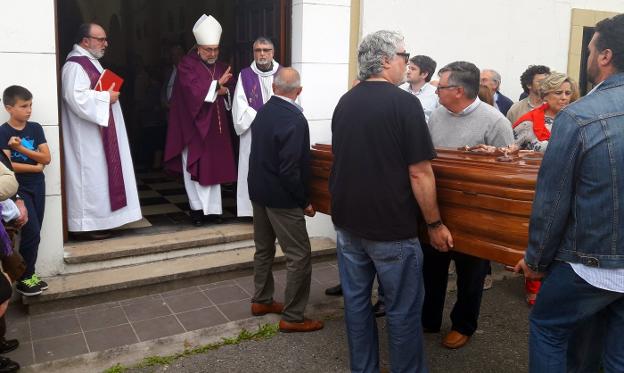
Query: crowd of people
x,y
384,134
383,141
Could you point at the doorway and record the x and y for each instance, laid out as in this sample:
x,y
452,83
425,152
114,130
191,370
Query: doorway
x,y
584,84
141,35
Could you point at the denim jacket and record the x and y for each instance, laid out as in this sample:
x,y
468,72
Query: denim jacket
x,y
578,210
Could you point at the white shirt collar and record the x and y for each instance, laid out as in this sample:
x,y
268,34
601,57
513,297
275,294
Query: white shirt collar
x,y
83,51
425,87
261,73
469,109
495,99
290,100
595,88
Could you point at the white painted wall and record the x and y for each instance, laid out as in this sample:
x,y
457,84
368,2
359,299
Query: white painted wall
x,y
501,34
320,52
28,58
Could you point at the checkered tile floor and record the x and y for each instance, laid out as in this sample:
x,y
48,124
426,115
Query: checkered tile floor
x,y
164,203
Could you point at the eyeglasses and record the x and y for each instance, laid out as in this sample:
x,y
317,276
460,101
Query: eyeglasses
x,y
263,50
101,40
405,56
439,88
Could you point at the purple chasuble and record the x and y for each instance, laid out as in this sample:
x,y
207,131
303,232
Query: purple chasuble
x,y
202,127
116,186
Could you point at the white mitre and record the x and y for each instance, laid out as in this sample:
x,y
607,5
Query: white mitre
x,y
207,30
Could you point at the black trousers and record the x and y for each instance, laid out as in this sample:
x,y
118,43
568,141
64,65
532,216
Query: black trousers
x,y
470,271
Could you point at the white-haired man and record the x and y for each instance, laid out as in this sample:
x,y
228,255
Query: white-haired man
x,y
380,180
492,79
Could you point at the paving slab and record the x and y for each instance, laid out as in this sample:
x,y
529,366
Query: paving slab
x,y
499,345
110,279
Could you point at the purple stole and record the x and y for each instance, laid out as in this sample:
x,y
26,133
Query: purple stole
x,y
116,186
251,86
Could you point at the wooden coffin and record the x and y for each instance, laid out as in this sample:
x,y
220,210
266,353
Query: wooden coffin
x,y
485,200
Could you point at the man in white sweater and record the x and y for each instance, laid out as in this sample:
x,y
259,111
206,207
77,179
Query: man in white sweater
x,y
461,120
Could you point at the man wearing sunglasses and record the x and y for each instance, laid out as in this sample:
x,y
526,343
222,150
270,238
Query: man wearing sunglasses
x,y
461,120
381,181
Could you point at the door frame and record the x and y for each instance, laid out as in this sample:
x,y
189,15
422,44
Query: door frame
x,y
285,43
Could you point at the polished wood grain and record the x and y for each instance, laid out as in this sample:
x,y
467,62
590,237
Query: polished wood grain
x,y
485,200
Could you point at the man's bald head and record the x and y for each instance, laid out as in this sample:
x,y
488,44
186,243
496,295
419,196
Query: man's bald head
x,y
287,83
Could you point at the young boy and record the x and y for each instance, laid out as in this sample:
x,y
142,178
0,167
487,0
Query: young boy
x,y
25,144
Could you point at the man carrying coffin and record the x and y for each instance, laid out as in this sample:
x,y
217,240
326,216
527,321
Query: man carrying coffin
x,y
198,138
100,185
253,90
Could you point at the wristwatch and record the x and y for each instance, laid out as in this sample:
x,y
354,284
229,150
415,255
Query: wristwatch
x,y
435,224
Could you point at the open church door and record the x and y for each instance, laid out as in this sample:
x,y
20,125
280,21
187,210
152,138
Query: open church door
x,y
269,18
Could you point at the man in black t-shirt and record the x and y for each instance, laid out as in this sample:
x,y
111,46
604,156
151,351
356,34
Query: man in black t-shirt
x,y
381,181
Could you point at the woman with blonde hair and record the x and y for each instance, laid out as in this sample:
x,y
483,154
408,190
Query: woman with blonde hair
x,y
532,131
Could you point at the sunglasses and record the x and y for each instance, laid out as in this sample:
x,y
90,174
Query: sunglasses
x,y
405,56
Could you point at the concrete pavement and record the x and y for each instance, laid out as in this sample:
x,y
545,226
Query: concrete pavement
x,y
500,344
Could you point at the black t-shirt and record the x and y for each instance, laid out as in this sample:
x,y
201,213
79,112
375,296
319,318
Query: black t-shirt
x,y
32,136
378,130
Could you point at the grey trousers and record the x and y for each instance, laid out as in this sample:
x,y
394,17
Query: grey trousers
x,y
288,226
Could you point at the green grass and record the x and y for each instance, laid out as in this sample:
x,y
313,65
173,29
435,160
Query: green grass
x,y
264,331
117,368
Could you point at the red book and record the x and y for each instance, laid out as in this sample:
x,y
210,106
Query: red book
x,y
106,81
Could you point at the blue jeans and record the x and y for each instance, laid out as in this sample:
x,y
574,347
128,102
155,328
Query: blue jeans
x,y
565,305
32,190
398,265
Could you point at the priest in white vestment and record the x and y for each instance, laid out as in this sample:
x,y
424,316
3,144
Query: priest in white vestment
x,y
94,201
253,90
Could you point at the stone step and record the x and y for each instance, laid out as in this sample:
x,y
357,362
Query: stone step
x,y
116,248
85,288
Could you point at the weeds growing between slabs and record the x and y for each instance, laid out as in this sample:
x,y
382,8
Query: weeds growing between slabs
x,y
264,331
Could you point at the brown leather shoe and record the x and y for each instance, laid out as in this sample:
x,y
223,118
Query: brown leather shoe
x,y
300,327
455,339
259,309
